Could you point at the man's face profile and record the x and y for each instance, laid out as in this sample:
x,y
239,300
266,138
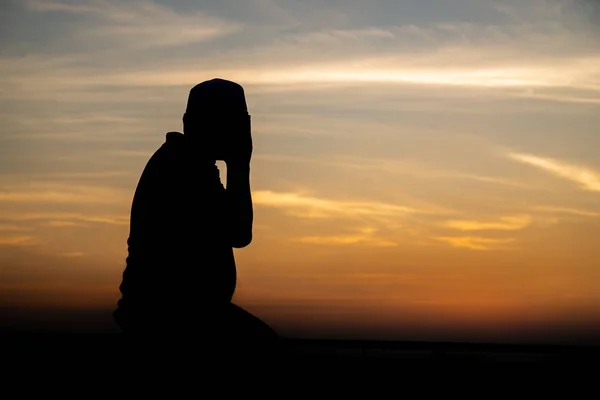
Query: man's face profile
x,y
215,133
216,117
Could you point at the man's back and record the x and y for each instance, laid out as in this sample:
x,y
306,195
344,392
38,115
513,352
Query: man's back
x,y
180,261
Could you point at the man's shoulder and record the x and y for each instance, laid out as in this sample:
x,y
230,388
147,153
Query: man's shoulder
x,y
161,164
168,150
173,137
173,144
174,162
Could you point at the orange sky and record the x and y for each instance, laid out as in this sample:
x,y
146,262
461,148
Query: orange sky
x,y
417,175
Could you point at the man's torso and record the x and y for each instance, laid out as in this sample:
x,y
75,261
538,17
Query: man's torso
x,y
179,257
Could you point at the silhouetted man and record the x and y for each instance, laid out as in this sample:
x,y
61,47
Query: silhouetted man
x,y
181,274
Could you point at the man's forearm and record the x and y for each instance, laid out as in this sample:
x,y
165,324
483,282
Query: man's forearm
x,y
240,204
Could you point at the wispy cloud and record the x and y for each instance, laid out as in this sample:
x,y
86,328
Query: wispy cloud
x,y
56,192
67,177
483,77
15,240
63,219
12,228
338,36
131,153
477,243
63,224
94,119
410,168
139,24
530,94
313,207
73,255
579,75
509,223
459,55
587,178
566,210
364,236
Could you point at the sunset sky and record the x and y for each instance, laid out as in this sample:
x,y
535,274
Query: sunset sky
x,y
422,168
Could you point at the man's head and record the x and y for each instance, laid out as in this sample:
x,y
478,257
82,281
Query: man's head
x,y
216,96
215,109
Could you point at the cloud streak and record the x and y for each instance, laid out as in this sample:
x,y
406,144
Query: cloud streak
x,y
15,240
566,210
476,243
408,168
313,207
510,223
55,192
587,178
581,74
73,255
140,24
64,219
365,236
458,55
11,228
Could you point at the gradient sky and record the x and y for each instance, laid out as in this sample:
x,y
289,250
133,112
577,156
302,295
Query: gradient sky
x,y
420,167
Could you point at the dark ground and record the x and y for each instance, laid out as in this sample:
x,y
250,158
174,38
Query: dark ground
x,y
91,368
59,361
302,364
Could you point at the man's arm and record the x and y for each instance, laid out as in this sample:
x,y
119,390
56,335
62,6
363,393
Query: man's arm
x,y
239,199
